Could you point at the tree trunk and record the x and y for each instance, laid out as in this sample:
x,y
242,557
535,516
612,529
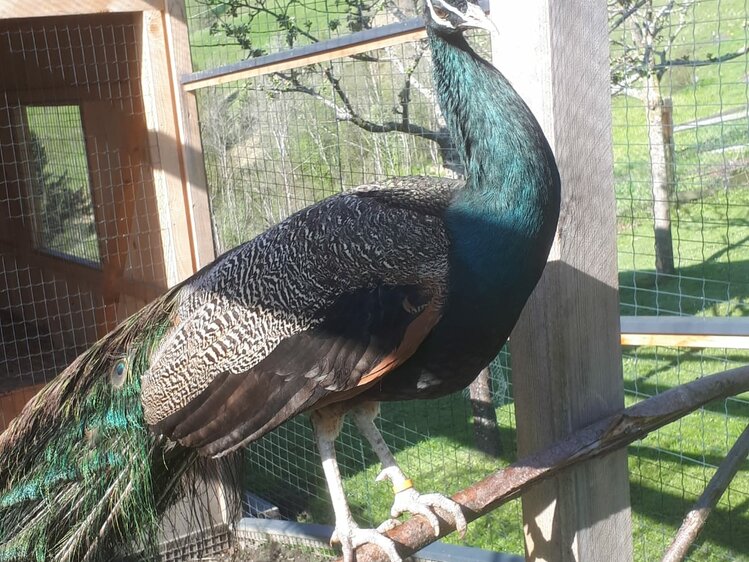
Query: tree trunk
x,y
661,171
485,428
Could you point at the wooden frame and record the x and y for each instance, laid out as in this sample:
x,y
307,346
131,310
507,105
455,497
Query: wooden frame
x,y
52,8
353,44
144,107
685,331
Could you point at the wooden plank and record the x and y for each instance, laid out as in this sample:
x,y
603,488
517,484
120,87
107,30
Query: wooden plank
x,y
686,325
195,183
682,340
45,8
565,351
65,58
685,331
305,60
78,274
159,94
13,402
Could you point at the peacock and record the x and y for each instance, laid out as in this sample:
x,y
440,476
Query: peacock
x,y
404,290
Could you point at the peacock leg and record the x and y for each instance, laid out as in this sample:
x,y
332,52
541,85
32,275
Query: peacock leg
x,y
327,425
407,499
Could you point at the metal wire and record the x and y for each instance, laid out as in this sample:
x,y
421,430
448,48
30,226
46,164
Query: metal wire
x,y
292,140
277,143
77,200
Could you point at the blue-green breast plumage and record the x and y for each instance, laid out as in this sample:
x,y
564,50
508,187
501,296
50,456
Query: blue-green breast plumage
x,y
500,227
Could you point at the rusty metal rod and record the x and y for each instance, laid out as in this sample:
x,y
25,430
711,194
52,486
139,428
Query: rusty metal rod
x,y
697,517
600,438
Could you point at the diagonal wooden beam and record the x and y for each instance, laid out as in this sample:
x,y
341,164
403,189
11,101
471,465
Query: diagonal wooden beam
x,y
697,517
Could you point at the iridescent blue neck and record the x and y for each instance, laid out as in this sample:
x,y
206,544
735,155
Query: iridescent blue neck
x,y
502,224
508,163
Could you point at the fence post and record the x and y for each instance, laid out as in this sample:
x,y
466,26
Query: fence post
x,y
565,351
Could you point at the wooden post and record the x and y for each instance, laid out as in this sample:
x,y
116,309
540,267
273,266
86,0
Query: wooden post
x,y
566,359
214,505
168,169
196,184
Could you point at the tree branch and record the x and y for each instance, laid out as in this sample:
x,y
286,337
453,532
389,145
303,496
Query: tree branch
x,y
697,517
625,13
597,439
705,62
403,126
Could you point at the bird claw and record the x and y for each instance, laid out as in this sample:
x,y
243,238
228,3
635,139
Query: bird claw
x,y
353,537
410,501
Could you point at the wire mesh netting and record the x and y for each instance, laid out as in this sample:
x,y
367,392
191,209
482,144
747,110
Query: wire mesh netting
x,y
680,131
298,136
61,200
680,145
78,207
77,202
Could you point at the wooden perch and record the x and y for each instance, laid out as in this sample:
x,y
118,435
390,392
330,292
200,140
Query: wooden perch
x,y
600,438
697,517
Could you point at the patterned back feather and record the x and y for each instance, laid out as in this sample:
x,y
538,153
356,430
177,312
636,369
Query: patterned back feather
x,y
81,476
85,472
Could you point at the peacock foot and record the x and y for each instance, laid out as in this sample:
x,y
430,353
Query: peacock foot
x,y
408,500
351,536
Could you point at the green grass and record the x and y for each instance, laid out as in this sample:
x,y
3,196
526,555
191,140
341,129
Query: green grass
x,y
62,200
433,441
211,49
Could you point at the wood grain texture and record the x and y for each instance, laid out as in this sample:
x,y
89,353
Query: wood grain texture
x,y
566,361
335,53
685,331
26,9
188,128
159,94
682,340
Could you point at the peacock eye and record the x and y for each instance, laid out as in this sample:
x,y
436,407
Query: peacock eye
x,y
118,374
440,12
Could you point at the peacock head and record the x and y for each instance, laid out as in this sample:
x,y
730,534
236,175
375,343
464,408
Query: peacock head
x,y
451,16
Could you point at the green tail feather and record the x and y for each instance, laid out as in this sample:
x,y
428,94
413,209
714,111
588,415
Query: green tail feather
x,y
81,476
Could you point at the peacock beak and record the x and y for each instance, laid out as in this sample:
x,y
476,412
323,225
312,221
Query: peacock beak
x,y
475,17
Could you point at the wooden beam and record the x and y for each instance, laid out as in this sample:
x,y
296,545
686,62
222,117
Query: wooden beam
x,y
685,331
681,340
159,94
195,183
80,274
304,59
565,351
45,8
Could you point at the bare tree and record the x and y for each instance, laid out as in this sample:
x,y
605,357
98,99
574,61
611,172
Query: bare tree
x,y
226,127
639,63
238,22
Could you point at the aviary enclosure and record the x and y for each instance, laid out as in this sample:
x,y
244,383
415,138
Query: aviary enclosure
x,y
141,138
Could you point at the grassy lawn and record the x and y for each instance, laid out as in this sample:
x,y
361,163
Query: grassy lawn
x,y
434,443
710,226
63,206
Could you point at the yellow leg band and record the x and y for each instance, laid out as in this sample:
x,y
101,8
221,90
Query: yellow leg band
x,y
405,485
